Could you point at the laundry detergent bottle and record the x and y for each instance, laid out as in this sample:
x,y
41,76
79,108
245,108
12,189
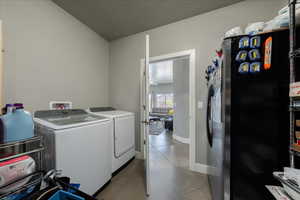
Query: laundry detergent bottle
x,y
16,124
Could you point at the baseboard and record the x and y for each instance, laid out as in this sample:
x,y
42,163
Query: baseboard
x,y
123,167
102,188
203,169
139,155
181,139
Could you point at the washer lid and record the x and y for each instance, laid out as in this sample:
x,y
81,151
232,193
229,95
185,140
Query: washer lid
x,y
62,119
114,113
101,109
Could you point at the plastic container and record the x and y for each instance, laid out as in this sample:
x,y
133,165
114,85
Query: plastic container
x,y
16,124
255,28
75,185
270,25
62,195
282,21
8,108
234,32
286,9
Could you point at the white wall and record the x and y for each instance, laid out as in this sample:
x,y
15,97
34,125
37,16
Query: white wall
x,y
49,55
203,33
181,97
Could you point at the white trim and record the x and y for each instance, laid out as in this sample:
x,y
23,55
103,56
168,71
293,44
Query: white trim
x,y
192,87
181,139
192,101
203,169
172,55
146,110
142,69
139,155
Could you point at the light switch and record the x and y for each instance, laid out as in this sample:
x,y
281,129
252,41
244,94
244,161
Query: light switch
x,y
200,104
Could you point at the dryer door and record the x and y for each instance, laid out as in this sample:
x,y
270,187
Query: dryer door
x,y
123,135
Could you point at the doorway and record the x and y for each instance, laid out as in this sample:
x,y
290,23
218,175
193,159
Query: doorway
x,y
172,107
169,109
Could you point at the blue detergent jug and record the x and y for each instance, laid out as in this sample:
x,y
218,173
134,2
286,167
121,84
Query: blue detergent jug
x,y
16,124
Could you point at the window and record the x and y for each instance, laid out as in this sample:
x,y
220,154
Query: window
x,y
161,72
164,100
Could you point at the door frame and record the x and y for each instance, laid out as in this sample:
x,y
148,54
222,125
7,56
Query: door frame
x,y
191,53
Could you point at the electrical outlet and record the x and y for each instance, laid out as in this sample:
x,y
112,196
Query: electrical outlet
x,y
200,104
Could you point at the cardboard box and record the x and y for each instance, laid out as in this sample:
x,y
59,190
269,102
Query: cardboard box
x,y
297,134
295,89
296,147
298,123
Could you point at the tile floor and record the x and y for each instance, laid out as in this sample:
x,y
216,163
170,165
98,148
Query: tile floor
x,y
170,177
175,152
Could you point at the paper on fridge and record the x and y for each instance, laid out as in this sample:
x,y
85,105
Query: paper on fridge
x,y
278,192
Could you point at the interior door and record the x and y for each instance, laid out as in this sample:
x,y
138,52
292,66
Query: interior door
x,y
145,114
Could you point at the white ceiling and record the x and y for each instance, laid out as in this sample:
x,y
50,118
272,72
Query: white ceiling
x,y
114,19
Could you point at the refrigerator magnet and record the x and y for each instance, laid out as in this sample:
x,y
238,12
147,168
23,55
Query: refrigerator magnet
x,y
255,42
244,68
254,55
268,53
241,56
244,42
255,67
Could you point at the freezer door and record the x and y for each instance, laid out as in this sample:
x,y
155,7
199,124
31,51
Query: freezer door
x,y
259,120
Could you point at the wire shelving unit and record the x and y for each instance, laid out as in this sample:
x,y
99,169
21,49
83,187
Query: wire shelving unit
x,y
294,101
32,147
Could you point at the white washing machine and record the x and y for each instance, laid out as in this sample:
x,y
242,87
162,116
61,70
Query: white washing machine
x,y
79,144
123,135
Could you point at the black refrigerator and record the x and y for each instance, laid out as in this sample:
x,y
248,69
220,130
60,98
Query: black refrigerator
x,y
252,139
